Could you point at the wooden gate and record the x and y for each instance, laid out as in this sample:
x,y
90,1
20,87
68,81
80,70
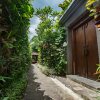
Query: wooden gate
x,y
85,50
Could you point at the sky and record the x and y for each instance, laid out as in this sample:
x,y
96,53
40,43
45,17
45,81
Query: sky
x,y
41,4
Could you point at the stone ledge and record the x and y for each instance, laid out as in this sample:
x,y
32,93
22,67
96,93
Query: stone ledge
x,y
81,90
85,82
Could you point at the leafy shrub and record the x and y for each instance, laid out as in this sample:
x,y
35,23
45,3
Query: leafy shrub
x,y
16,89
15,55
47,71
51,38
98,71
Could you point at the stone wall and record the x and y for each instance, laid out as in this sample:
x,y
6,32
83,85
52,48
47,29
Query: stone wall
x,y
98,42
69,52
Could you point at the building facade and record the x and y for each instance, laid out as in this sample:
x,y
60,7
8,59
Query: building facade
x,y
83,50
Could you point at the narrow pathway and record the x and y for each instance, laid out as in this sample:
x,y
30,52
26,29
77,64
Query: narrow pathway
x,y
41,87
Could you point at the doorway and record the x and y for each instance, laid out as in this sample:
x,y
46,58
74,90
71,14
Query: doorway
x,y
85,50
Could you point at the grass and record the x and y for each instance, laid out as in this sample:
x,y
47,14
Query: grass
x,y
47,71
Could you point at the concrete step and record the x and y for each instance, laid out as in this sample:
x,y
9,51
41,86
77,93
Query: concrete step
x,y
85,82
84,92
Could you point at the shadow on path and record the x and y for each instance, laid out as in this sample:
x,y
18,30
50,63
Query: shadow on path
x,y
33,91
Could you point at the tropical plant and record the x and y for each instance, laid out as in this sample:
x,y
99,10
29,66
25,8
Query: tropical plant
x,y
35,43
65,4
94,10
15,56
98,71
51,38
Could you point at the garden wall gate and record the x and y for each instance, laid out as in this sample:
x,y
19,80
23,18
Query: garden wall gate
x,y
85,50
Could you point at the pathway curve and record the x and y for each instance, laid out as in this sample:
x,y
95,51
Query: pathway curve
x,y
41,87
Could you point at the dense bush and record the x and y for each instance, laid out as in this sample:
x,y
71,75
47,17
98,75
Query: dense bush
x,y
15,55
34,43
51,38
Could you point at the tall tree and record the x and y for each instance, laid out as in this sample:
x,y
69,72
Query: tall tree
x,y
51,38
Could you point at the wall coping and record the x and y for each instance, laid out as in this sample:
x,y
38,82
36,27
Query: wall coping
x,y
70,11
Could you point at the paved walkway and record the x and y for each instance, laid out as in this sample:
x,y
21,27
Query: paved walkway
x,y
41,87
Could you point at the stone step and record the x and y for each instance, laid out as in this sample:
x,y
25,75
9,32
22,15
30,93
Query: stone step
x,y
86,82
84,92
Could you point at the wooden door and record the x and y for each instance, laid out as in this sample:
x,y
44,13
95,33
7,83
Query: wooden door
x,y
86,51
92,48
79,45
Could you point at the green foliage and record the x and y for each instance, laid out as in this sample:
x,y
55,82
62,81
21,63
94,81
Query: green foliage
x,y
51,38
65,4
89,4
94,10
35,44
90,7
5,98
45,12
15,55
3,79
46,70
98,71
16,89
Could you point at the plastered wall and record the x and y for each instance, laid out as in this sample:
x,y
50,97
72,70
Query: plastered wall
x,y
98,41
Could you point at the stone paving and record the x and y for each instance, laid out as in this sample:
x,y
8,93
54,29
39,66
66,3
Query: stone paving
x,y
41,87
